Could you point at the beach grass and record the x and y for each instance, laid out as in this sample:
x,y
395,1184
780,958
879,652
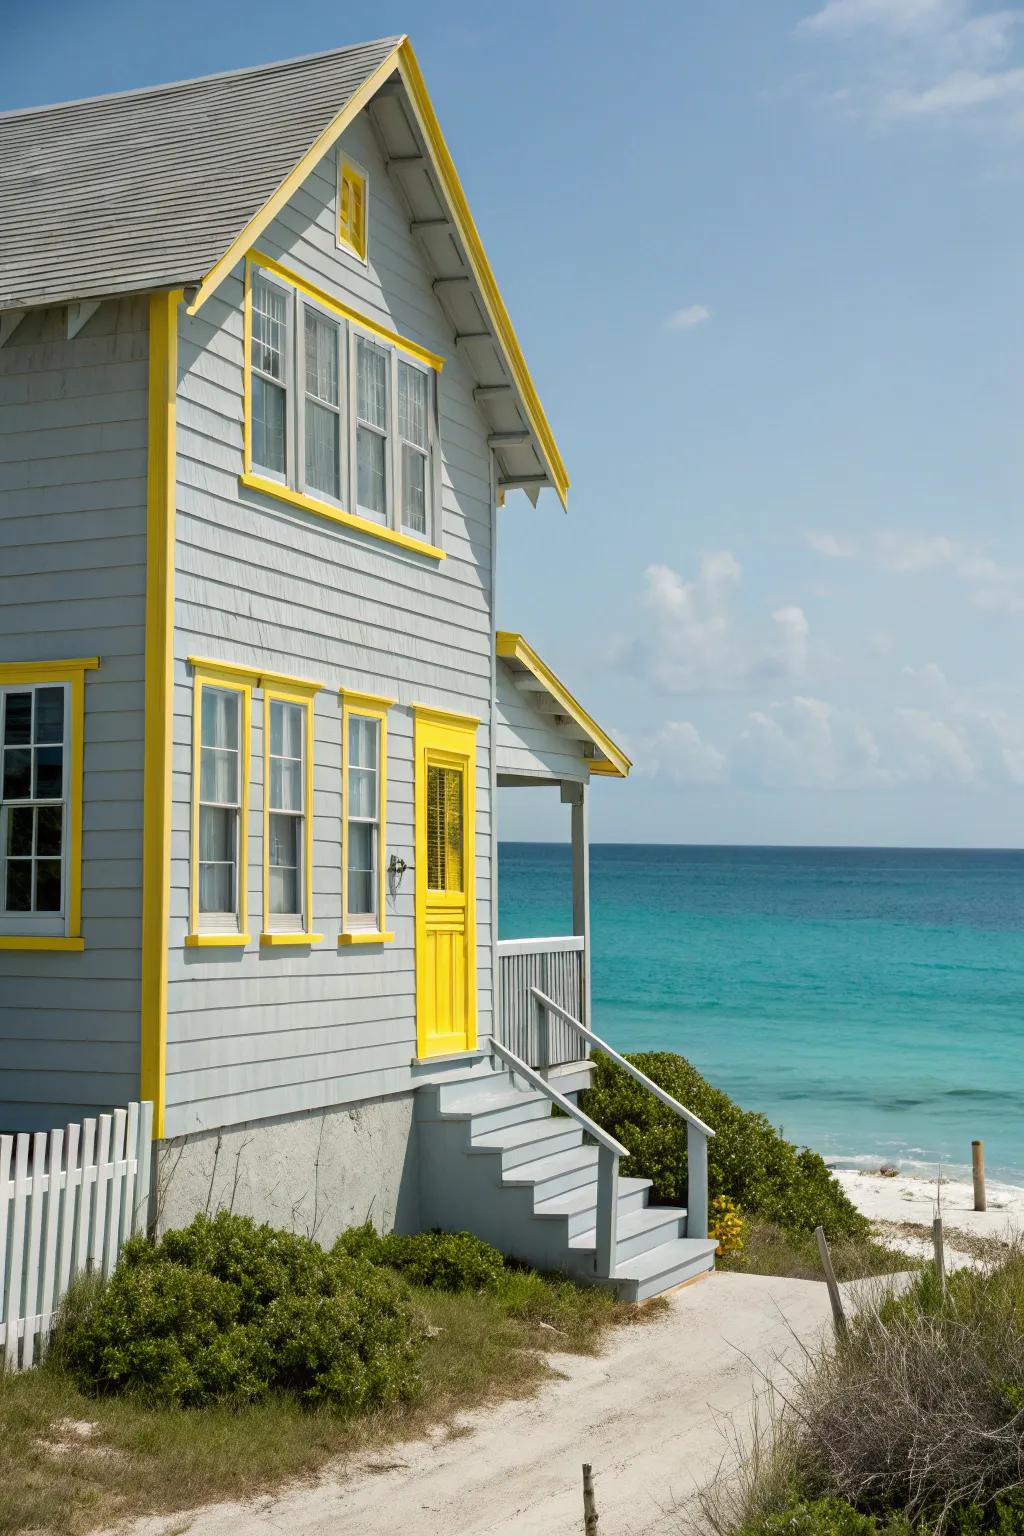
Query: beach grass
x,y
772,1250
71,1463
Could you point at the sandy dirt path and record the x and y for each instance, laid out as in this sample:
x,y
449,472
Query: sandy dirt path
x,y
647,1413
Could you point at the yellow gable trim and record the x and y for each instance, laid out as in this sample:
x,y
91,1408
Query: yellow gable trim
x,y
513,647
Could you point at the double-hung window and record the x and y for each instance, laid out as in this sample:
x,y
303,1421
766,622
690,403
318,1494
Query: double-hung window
x,y
341,414
41,752
287,814
219,908
364,762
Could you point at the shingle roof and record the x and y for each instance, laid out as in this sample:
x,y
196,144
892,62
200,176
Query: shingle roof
x,y
148,188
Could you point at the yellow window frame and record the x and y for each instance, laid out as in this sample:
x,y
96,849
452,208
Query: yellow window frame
x,y
72,674
237,680
251,478
302,694
366,706
352,207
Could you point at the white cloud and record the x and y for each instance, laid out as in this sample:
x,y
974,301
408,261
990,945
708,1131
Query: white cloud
x,y
933,749
909,552
680,754
835,546
991,586
686,319
807,743
843,17
694,639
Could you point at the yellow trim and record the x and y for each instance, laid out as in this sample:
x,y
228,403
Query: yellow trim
x,y
239,680
217,940
71,673
274,488
368,708
41,941
513,647
344,311
430,712
275,940
291,183
45,671
304,699
352,232
159,729
237,672
446,738
444,165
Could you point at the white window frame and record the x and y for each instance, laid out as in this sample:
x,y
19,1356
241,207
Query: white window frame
x,y
302,303
432,476
289,922
286,383
38,924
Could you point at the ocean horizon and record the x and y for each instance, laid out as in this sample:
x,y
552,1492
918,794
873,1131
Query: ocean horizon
x,y
869,1001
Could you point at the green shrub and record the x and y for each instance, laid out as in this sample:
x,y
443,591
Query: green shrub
x,y
827,1517
225,1310
748,1161
440,1261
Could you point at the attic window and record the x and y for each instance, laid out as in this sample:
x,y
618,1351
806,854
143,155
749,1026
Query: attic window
x,y
352,207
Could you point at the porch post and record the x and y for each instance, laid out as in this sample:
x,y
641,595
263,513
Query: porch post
x,y
576,796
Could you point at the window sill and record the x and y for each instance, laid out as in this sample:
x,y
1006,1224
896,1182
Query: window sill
x,y
217,940
368,937
51,941
274,939
335,514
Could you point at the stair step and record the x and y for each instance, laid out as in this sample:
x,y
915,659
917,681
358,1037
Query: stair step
x,y
639,1231
527,1141
500,1110
556,1173
661,1268
579,1206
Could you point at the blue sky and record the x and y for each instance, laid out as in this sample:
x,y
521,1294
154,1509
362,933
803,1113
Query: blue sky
x,y
766,263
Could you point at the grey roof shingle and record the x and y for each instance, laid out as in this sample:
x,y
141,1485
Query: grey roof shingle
x,y
147,189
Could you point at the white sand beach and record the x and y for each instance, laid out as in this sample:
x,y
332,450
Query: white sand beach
x,y
901,1200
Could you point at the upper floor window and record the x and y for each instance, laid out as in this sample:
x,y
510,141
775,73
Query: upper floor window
x,y
41,753
352,207
340,414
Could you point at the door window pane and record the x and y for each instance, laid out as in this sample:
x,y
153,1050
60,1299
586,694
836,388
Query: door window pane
x,y
444,828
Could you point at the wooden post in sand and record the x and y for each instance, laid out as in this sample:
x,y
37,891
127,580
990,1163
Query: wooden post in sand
x,y
940,1254
978,1169
834,1295
589,1505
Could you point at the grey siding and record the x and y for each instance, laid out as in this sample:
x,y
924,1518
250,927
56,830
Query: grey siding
x,y
253,1034
73,428
529,741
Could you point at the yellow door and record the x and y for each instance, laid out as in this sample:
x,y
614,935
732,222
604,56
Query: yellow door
x,y
445,750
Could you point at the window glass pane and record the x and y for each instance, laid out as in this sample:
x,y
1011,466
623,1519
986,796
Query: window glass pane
x,y
217,834
373,384
323,449
321,358
268,427
49,724
17,773
362,741
283,858
412,405
360,894
414,489
218,778
17,719
18,891
220,718
217,888
20,820
284,840
269,323
362,793
49,773
285,784
444,829
48,885
362,838
371,490
284,892
49,828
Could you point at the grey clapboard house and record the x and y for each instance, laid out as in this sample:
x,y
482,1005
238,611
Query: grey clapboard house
x,y
260,402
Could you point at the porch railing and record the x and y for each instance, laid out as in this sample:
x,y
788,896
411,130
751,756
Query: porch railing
x,y
555,968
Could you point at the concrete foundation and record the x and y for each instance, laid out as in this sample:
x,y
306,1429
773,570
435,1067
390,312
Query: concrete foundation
x,y
315,1173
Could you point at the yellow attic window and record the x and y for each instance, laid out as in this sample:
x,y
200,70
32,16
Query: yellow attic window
x,y
352,207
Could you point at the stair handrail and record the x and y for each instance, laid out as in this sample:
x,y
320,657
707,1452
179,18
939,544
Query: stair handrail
x,y
606,1215
567,1107
697,1133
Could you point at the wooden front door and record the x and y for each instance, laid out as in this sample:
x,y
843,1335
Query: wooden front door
x,y
445,751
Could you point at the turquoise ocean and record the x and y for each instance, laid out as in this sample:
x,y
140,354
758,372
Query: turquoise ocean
x,y
869,1001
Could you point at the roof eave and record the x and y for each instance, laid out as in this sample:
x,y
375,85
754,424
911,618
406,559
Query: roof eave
x,y
613,762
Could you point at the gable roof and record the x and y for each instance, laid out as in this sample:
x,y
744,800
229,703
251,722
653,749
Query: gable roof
x,y
167,187
538,678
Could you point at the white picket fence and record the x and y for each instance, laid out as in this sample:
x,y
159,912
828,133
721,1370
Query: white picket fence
x,y
68,1201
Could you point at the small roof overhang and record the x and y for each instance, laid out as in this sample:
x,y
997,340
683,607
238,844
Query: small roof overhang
x,y
534,677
